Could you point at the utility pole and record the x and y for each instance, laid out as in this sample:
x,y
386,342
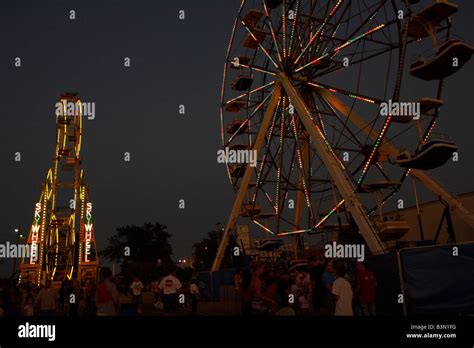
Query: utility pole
x,y
17,232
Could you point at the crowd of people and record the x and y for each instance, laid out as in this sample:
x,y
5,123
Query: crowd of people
x,y
321,287
28,300
102,299
168,292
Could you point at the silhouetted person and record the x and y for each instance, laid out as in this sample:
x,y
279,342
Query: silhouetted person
x,y
47,300
107,296
366,285
194,293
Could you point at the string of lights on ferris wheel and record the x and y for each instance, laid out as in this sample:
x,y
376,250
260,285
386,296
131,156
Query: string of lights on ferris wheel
x,y
259,44
262,163
280,151
272,31
342,46
312,38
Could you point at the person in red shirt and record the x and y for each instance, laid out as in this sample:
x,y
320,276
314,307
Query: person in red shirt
x,y
366,284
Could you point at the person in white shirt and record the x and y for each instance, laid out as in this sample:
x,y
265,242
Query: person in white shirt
x,y
136,288
342,290
194,293
169,286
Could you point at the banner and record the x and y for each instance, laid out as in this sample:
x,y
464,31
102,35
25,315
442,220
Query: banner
x,y
439,279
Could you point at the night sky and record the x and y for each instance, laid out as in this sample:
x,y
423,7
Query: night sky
x,y
173,156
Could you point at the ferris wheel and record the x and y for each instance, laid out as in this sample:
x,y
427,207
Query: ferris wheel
x,y
304,86
62,237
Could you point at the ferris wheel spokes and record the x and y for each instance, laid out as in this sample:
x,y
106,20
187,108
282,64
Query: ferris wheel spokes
x,y
342,182
236,209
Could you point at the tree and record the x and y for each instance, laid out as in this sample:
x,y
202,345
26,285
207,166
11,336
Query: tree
x,y
140,250
205,251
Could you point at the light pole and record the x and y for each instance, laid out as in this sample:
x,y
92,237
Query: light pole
x,y
218,230
17,231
